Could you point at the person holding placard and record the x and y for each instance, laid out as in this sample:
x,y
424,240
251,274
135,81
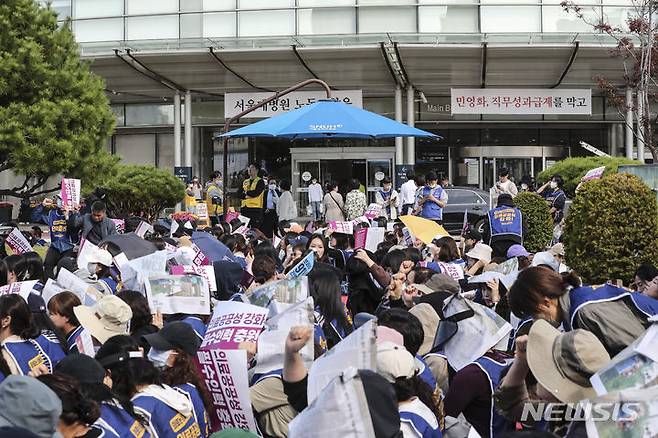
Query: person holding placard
x,y
61,239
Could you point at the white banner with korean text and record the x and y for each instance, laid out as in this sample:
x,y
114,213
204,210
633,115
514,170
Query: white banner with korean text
x,y
520,101
235,103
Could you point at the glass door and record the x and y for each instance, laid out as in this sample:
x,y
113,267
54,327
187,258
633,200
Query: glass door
x,y
517,167
306,170
376,172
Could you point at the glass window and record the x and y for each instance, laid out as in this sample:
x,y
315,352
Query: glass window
x,y
61,7
136,148
166,152
191,25
105,29
443,2
149,28
555,19
263,23
384,106
447,19
389,19
310,3
462,197
136,7
618,17
265,4
149,114
386,2
326,21
219,24
506,19
97,8
613,111
207,5
119,114
207,113
510,137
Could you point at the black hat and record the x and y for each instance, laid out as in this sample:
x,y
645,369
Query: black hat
x,y
83,368
177,334
36,303
473,234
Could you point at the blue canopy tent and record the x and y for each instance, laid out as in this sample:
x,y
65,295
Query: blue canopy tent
x,y
327,119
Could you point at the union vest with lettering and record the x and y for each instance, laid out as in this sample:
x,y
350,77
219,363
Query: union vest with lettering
x,y
30,353
585,295
116,422
197,405
506,223
431,210
248,185
164,421
498,425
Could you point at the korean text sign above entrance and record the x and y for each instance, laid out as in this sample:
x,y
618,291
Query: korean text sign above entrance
x,y
520,101
235,103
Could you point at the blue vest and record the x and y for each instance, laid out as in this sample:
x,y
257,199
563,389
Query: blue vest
x,y
199,408
274,373
30,353
420,425
111,284
59,236
115,422
165,421
198,325
72,337
582,296
512,336
505,221
431,210
426,373
498,425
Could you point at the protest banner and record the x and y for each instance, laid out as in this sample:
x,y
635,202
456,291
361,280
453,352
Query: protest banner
x,y
202,211
407,237
50,289
231,215
17,242
360,220
596,173
303,267
225,376
369,238
85,253
630,413
270,354
452,270
119,225
85,344
178,294
143,228
343,227
232,323
70,193
373,211
87,293
630,368
169,248
22,288
200,258
244,219
174,227
207,272
288,291
358,350
360,238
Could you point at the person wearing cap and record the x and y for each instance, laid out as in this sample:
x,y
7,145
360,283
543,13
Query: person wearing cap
x,y
504,226
387,198
61,240
168,412
615,315
117,415
557,251
432,199
98,272
172,350
477,258
562,363
469,240
415,402
31,405
110,316
24,348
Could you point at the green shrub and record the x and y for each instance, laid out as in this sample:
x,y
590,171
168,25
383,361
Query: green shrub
x,y
573,169
537,216
611,228
142,189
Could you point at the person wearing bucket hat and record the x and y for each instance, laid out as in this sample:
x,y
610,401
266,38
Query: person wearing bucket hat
x,y
477,258
542,293
504,226
24,347
110,316
117,415
561,362
29,404
173,349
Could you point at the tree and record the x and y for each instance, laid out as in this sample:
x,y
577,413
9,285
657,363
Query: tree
x,y
636,47
538,221
54,115
573,169
142,190
611,228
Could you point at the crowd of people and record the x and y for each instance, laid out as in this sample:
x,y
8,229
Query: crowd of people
x,y
468,331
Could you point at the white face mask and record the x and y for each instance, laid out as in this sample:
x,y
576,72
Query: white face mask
x,y
273,186
91,267
524,186
553,185
159,358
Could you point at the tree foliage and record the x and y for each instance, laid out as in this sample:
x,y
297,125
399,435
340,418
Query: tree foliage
x,y
142,190
539,225
573,169
611,228
54,115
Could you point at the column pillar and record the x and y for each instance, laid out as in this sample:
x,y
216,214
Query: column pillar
x,y
188,128
177,130
411,114
399,144
629,123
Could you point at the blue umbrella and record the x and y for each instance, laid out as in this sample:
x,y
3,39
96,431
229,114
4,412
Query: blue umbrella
x,y
326,119
211,247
